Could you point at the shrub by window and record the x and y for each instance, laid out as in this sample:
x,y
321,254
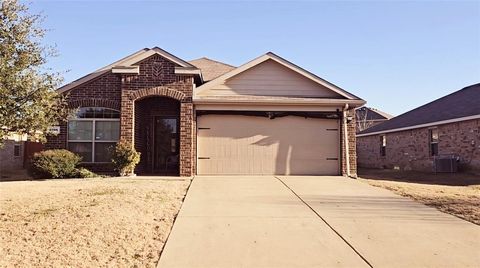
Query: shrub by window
x,y
55,164
383,145
125,158
433,134
93,132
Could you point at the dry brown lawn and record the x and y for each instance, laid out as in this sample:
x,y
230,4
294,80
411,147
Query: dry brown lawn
x,y
87,222
456,194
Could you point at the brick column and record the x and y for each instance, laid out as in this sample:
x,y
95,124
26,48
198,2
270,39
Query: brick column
x,y
352,148
126,118
186,139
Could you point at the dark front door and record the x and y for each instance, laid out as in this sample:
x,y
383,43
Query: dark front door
x,y
166,153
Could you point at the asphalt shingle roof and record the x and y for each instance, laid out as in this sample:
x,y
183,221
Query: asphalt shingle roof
x,y
211,69
462,103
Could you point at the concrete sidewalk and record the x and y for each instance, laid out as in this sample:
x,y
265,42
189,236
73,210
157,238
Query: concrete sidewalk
x,y
251,222
387,229
313,222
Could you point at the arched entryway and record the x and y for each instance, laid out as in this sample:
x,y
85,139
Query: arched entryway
x,y
157,135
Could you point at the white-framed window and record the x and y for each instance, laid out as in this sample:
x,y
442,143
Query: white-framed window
x,y
16,150
93,133
383,145
433,138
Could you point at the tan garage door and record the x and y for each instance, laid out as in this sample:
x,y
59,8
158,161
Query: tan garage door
x,y
291,145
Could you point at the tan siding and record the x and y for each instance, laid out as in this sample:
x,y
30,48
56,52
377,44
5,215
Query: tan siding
x,y
256,145
270,79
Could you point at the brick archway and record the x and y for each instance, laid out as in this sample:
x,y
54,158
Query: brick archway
x,y
158,91
186,128
156,130
94,102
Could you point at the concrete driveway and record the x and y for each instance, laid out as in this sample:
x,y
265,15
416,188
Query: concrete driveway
x,y
312,222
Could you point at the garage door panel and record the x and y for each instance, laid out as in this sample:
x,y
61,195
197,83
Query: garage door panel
x,y
293,145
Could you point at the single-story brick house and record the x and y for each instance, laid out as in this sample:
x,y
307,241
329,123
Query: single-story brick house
x,y
267,116
449,126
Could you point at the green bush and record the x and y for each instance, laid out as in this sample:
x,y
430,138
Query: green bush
x,y
55,163
125,158
84,173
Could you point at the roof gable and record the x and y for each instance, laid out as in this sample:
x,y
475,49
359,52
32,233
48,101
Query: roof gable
x,y
156,51
270,74
127,62
463,103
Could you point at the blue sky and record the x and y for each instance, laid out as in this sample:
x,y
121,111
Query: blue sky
x,y
396,55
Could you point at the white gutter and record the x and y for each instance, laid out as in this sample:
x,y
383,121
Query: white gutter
x,y
345,132
422,125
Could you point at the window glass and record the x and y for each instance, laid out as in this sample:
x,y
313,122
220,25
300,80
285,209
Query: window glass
x,y
171,124
80,130
82,141
434,149
97,112
383,145
103,151
16,150
83,149
109,113
107,130
434,135
433,141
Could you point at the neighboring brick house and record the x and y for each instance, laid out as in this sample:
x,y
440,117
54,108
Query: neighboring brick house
x,y
367,117
267,116
11,155
449,126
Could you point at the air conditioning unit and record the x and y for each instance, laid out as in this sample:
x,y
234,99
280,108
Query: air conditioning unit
x,y
446,163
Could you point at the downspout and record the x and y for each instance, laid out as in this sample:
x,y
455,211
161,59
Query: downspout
x,y
345,133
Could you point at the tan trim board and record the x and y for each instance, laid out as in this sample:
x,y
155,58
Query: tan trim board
x,y
126,69
187,71
352,103
422,125
247,107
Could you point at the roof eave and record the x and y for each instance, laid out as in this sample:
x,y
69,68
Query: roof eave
x,y
436,123
326,102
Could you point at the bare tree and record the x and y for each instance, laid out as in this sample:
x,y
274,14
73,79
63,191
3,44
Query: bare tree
x,y
361,116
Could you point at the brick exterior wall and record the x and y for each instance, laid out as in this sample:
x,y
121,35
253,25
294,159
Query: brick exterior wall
x,y
103,91
351,129
156,78
410,149
8,161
